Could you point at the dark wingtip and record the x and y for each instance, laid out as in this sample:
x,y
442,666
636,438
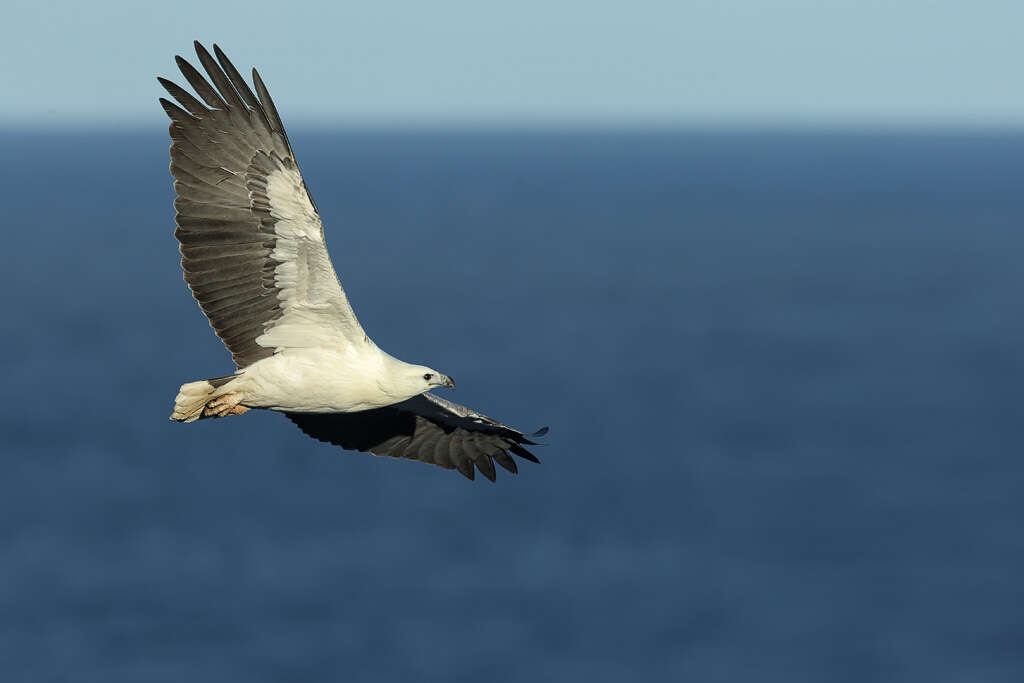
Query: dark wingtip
x,y
523,453
170,108
486,468
507,462
200,49
525,438
465,468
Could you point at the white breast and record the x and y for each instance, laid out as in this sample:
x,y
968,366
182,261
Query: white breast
x,y
318,380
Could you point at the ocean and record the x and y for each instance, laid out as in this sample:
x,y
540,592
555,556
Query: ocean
x,y
782,372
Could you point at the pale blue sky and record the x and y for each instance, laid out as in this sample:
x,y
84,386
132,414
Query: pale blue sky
x,y
902,62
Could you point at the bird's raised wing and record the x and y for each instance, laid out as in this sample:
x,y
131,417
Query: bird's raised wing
x,y
252,243
424,428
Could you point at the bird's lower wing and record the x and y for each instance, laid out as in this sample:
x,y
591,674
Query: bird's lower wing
x,y
425,428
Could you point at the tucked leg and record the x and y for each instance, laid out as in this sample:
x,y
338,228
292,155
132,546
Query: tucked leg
x,y
225,406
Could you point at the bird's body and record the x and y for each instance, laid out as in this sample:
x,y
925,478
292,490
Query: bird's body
x,y
323,380
254,256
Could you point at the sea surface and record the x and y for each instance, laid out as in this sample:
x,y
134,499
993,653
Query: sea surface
x,y
783,373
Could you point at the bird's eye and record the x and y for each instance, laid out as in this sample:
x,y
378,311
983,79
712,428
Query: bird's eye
x,y
427,376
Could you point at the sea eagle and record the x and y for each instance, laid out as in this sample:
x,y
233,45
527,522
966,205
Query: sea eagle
x,y
252,247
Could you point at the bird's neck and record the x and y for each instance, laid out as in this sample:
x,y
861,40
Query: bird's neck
x,y
394,378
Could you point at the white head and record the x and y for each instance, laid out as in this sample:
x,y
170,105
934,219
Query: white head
x,y
429,378
404,380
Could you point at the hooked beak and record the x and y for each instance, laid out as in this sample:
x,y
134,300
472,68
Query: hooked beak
x,y
448,382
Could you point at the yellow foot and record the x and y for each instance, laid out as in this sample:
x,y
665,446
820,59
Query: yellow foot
x,y
225,406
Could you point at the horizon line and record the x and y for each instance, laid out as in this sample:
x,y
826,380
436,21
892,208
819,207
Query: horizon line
x,y
567,124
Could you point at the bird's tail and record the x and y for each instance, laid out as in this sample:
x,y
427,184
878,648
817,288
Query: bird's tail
x,y
192,398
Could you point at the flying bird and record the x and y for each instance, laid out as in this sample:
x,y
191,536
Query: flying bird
x,y
253,255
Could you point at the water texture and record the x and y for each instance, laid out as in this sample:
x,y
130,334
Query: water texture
x,y
782,372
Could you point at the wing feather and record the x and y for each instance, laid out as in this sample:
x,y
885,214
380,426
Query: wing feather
x,y
220,80
425,428
251,239
198,83
241,87
195,107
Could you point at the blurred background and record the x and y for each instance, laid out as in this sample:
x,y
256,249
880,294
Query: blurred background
x,y
756,264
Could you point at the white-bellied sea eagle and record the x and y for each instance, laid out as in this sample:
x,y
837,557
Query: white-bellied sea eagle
x,y
253,253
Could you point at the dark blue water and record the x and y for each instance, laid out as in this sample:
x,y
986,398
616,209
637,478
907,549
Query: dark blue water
x,y
782,372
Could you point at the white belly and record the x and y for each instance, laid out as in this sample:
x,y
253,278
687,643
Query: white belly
x,y
315,381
